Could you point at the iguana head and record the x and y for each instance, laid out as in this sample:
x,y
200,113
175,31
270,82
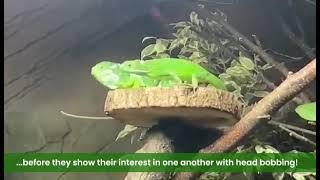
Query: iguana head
x,y
133,66
106,74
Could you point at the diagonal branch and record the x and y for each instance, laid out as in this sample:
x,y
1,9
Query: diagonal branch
x,y
276,123
293,85
297,136
308,51
256,49
219,17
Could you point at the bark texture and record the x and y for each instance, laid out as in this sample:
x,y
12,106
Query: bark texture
x,y
292,86
204,107
156,142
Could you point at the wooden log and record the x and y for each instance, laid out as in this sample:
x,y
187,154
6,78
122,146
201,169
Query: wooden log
x,y
203,107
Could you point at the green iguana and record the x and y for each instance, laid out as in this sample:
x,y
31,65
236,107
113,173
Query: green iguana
x,y
180,70
110,75
166,72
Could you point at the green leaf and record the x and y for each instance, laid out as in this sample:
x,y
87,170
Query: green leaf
x,y
233,85
194,18
259,86
195,55
312,123
203,59
198,57
266,66
298,176
238,71
265,149
162,55
246,62
205,45
174,44
307,111
182,56
161,45
125,131
225,77
186,50
260,93
179,24
278,175
185,32
183,41
193,45
201,22
232,71
149,37
213,24
213,48
147,51
234,63
165,42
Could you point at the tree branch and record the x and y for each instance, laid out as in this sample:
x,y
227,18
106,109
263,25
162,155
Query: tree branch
x,y
256,49
269,83
308,51
219,17
292,127
294,84
297,136
86,117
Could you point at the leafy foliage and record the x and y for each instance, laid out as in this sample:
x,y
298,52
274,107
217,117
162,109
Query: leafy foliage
x,y
215,176
204,42
244,78
128,129
191,41
307,111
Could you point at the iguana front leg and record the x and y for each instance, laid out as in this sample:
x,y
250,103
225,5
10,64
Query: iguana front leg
x,y
137,81
195,82
176,78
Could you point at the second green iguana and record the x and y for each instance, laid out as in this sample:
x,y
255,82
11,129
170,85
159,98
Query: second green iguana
x,y
111,76
180,70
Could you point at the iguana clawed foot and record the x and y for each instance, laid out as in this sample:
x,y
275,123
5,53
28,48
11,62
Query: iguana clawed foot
x,y
195,83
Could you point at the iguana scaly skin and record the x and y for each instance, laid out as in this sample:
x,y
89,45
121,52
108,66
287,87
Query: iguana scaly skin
x,y
111,76
180,70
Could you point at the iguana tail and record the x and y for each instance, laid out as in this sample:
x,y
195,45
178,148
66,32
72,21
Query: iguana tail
x,y
215,81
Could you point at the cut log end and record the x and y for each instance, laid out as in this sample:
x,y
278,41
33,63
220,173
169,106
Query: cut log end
x,y
204,107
